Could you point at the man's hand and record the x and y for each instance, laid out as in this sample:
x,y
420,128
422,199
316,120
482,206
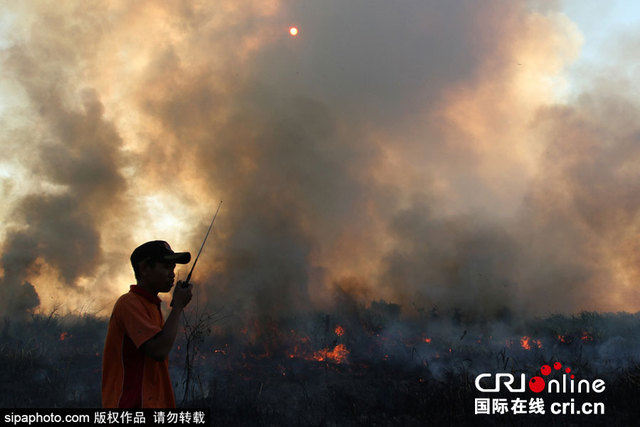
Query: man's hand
x,y
181,295
159,346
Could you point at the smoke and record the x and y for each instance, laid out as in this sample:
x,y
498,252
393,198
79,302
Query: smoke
x,y
572,243
453,263
71,149
582,209
417,152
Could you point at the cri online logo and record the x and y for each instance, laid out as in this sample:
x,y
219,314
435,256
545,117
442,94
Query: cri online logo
x,y
538,384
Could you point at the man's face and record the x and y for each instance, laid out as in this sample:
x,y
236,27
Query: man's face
x,y
159,275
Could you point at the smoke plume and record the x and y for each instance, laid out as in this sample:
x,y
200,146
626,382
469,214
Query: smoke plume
x,y
419,153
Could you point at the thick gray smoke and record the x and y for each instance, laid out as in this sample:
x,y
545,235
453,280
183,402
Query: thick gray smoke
x,y
580,220
407,151
70,148
574,241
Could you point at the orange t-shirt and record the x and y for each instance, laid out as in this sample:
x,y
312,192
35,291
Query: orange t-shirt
x,y
130,379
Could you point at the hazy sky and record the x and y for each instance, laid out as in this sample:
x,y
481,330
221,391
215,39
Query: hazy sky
x,y
474,155
603,26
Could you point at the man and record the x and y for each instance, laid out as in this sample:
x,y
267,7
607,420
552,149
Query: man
x,y
135,370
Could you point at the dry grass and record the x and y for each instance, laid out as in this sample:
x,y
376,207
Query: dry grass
x,y
392,376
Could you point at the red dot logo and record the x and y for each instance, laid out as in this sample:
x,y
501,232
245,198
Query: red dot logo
x,y
557,366
536,384
567,370
545,370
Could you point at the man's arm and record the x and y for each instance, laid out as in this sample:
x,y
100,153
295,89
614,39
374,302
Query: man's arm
x,y
159,346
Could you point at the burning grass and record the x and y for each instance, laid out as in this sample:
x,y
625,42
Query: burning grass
x,y
370,366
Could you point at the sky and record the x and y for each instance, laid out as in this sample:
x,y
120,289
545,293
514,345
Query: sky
x,y
475,156
603,26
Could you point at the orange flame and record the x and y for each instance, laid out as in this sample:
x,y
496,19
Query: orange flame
x,y
338,354
427,340
586,337
339,331
64,336
528,343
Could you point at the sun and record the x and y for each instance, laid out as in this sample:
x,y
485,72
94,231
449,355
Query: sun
x,y
293,31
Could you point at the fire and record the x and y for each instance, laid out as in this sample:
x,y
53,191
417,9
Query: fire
x,y
338,354
562,338
64,336
302,348
586,337
528,343
427,340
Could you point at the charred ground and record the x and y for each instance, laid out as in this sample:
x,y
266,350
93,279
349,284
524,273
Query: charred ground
x,y
372,366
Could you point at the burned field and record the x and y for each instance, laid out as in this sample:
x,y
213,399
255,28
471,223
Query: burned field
x,y
371,366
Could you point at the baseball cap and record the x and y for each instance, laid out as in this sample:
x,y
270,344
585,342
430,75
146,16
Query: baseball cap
x,y
158,250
